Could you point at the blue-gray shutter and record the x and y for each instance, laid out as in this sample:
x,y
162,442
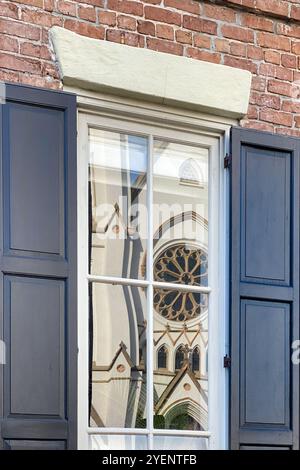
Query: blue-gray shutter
x,y
38,308
265,210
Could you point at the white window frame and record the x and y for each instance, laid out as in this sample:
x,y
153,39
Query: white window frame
x,y
156,121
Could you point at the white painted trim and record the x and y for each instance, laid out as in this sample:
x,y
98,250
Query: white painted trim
x,y
214,135
105,66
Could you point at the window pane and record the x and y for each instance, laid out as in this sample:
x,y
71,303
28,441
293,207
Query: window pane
x,y
117,198
180,213
180,443
118,356
181,334
123,442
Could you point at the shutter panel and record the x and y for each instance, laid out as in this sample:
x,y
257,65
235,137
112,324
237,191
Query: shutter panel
x,y
264,290
38,269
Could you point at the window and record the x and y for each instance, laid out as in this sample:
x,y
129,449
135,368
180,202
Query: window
x,y
196,360
162,358
150,270
180,357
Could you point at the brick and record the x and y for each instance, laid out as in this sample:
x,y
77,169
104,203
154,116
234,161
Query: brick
x,y
238,49
9,76
204,55
162,15
297,121
260,126
272,56
49,70
22,30
268,70
252,112
146,27
295,12
222,45
276,117
41,18
198,24
291,30
35,50
184,5
259,83
12,62
289,60
184,37
219,13
126,22
8,44
107,17
85,29
257,22
33,3
96,3
280,88
284,74
265,100
123,37
9,10
296,47
287,131
273,41
291,106
255,53
49,5
66,8
235,32
164,46
202,41
280,7
240,63
164,31
35,80
87,13
126,6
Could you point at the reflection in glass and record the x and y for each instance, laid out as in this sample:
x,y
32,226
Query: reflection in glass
x,y
181,194
181,388
180,184
117,199
196,360
118,356
162,357
118,442
180,443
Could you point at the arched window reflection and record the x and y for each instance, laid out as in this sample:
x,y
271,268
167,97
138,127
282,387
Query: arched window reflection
x,y
162,356
196,360
179,358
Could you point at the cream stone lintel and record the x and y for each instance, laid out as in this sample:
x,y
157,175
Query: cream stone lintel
x,y
108,67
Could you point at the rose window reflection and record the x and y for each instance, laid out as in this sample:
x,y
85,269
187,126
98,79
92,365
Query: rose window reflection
x,y
182,264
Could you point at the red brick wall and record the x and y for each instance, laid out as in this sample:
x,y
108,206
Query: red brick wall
x,y
262,36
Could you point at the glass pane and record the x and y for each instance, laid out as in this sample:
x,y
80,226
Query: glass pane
x,y
117,198
180,183
180,360
180,443
118,356
123,442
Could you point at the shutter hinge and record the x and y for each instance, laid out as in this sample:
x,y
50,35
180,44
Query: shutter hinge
x,y
227,361
227,161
